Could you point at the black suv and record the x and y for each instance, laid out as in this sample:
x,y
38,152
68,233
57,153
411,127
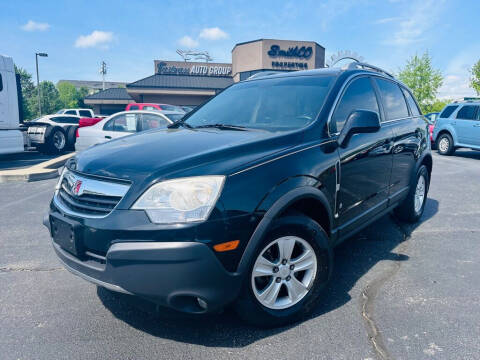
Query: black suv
x,y
243,200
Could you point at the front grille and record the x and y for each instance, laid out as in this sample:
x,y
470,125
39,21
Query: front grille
x,y
85,196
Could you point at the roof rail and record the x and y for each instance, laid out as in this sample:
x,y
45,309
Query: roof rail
x,y
264,73
361,65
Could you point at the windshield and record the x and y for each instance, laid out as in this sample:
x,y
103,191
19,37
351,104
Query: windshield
x,y
278,104
174,117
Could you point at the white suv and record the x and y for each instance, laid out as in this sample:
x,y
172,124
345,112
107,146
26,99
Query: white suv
x,y
78,112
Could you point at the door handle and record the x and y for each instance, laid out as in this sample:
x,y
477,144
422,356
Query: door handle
x,y
107,137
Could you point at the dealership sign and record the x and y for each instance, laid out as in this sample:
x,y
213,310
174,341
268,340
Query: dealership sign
x,y
192,68
302,52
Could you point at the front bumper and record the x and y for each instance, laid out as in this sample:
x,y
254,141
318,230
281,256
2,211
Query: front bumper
x,y
172,274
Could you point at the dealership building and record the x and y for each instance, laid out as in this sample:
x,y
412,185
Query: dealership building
x,y
192,83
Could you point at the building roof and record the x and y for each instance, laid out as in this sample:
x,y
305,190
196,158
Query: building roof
x,y
183,82
93,84
110,94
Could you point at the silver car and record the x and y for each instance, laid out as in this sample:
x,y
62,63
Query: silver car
x,y
122,124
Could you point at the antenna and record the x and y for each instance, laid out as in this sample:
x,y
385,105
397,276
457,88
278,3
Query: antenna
x,y
103,71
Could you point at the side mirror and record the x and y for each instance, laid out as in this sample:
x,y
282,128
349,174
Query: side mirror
x,y
359,121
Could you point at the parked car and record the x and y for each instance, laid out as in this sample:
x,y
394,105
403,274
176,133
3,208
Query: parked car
x,y
458,125
53,133
122,124
431,118
90,121
88,113
153,107
242,201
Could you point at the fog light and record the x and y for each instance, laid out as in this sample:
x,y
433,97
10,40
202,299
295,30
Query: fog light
x,y
202,303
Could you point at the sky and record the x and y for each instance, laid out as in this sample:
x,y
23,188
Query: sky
x,y
128,35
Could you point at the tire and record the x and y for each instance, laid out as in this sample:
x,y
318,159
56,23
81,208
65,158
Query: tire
x,y
409,210
71,137
306,235
55,140
445,144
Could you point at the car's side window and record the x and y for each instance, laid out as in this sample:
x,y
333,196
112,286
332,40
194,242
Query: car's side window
x,y
70,112
411,103
393,100
133,107
122,123
467,112
359,95
150,121
85,113
448,111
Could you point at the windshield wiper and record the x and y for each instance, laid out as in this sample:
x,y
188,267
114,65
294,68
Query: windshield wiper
x,y
222,127
179,123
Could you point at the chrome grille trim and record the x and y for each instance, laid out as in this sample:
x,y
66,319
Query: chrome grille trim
x,y
83,196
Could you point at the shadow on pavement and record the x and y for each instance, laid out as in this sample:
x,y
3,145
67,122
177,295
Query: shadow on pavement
x,y
23,160
467,154
354,258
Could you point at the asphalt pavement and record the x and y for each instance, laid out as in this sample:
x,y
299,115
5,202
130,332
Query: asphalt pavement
x,y
398,292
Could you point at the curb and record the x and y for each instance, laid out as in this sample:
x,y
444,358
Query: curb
x,y
46,170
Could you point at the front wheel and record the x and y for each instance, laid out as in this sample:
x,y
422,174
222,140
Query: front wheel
x,y
445,144
288,273
413,206
56,141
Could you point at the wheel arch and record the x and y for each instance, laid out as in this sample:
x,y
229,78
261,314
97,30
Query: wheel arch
x,y
308,200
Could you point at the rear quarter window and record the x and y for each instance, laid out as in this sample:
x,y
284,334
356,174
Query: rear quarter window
x,y
85,113
393,100
448,111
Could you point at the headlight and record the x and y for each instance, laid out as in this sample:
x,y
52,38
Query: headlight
x,y
181,200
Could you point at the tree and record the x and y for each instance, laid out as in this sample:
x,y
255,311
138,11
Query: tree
x,y
28,91
67,95
82,93
420,76
50,98
475,77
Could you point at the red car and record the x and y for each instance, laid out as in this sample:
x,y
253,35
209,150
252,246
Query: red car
x,y
431,117
90,121
151,106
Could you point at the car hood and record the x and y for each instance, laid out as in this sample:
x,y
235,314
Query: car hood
x,y
169,153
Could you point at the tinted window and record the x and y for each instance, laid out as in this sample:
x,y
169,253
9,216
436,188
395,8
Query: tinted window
x,y
411,103
168,107
1,82
70,112
133,107
122,123
358,96
448,111
393,100
85,113
275,104
149,107
65,119
467,112
150,121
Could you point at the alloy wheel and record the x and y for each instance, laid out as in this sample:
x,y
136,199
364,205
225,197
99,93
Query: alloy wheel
x,y
444,144
59,140
419,194
284,272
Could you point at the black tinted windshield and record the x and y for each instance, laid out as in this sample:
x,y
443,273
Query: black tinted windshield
x,y
277,104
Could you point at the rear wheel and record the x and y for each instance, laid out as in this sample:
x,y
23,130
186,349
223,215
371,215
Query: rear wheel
x,y
288,273
445,144
56,141
71,137
413,206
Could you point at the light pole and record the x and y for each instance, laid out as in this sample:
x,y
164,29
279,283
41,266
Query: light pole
x,y
38,81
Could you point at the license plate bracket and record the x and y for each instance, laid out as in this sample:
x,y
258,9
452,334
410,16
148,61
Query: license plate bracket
x,y
67,234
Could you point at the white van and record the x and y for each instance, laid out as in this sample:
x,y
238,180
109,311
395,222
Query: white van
x,y
11,138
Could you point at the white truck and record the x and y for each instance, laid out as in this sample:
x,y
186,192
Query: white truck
x,y
12,138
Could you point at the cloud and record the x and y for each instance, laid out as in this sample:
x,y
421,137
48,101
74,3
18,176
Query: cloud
x,y
387,20
456,83
419,17
95,39
214,33
35,26
188,42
